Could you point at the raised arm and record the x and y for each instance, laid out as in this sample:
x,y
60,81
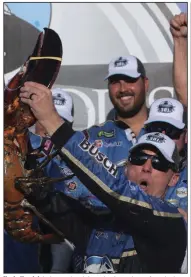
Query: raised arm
x,y
179,31
136,211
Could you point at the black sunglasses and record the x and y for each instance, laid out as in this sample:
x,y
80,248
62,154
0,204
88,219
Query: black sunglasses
x,y
170,130
158,163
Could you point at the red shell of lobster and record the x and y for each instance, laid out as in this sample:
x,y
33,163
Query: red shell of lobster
x,y
41,67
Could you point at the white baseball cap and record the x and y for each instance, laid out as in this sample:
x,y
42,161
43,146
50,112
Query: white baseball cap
x,y
63,103
167,110
163,143
126,65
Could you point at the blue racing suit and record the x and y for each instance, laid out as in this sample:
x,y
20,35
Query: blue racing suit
x,y
178,195
20,257
114,139
154,225
55,262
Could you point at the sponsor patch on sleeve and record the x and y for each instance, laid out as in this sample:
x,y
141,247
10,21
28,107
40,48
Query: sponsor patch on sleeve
x,y
181,192
71,186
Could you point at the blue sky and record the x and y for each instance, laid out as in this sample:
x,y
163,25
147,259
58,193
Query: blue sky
x,y
38,14
182,6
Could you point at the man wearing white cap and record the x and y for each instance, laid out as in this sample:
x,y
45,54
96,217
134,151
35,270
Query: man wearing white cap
x,y
63,103
167,116
128,85
157,228
55,258
139,213
114,138
138,204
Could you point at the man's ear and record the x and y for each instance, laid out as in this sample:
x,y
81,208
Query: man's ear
x,y
146,84
126,168
186,137
174,180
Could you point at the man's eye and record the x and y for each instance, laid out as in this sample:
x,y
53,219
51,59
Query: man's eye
x,y
114,82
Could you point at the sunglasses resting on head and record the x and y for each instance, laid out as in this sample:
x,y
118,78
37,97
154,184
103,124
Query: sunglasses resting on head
x,y
170,130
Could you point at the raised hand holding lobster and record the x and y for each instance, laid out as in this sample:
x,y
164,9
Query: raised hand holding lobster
x,y
41,67
41,104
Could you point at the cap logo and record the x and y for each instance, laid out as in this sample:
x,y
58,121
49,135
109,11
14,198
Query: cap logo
x,y
156,138
165,107
120,62
59,100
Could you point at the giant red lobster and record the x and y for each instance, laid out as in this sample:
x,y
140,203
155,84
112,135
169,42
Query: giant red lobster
x,y
41,67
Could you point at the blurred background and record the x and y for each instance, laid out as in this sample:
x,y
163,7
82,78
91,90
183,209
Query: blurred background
x,y
92,34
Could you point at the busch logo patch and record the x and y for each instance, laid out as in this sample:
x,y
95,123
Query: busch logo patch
x,y
165,107
101,158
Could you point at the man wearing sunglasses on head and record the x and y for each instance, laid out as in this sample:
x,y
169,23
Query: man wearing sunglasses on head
x,y
166,116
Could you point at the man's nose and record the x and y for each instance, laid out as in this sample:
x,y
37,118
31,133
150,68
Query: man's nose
x,y
124,86
147,166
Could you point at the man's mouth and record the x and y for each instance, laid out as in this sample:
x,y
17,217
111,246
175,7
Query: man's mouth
x,y
143,185
125,99
126,96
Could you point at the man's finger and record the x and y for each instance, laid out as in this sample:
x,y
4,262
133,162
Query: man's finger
x,y
174,24
35,85
28,89
24,95
174,32
183,19
26,100
186,19
184,31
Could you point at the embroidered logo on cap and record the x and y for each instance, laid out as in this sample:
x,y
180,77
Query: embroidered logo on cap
x,y
166,107
121,62
156,138
58,99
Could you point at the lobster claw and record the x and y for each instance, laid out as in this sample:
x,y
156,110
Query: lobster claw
x,y
44,63
42,66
